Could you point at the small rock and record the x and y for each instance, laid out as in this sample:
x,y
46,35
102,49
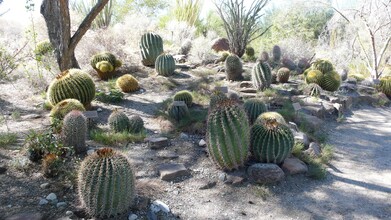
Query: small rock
x,y
265,173
312,123
172,171
44,185
31,116
160,206
248,90
313,150
51,197
43,202
91,151
292,166
26,216
293,126
132,216
222,177
208,185
234,180
246,84
158,143
68,213
302,138
61,204
9,206
351,80
202,143
3,170
167,155
99,110
184,136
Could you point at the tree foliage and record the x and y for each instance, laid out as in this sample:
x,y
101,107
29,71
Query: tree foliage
x,y
103,19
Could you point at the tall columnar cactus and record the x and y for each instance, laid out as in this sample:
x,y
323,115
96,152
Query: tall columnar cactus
x,y
178,111
330,81
165,65
283,75
288,63
72,84
106,184
233,68
62,108
185,96
250,52
74,131
313,76
385,85
118,121
271,141
261,76
228,135
323,66
43,48
276,53
313,89
216,97
127,83
151,47
136,124
254,107
105,63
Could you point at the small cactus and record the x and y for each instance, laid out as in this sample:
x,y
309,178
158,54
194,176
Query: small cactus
x,y
233,68
330,81
43,48
270,116
303,64
62,108
105,63
276,53
313,89
323,66
106,184
136,124
178,111
264,57
385,85
261,76
185,96
165,65
283,75
313,76
228,135
151,46
118,121
74,131
127,83
254,107
288,63
250,52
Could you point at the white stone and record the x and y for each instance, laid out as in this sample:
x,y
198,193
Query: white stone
x,y
161,205
43,202
51,197
89,152
68,213
184,136
44,185
99,110
202,143
61,204
132,216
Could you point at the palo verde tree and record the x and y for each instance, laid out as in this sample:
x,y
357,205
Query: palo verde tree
x,y
241,25
58,22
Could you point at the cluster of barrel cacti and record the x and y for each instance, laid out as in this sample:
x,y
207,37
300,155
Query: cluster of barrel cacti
x,y
105,64
322,72
120,122
127,83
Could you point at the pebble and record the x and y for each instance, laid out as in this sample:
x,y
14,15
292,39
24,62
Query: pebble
x,y
89,152
184,136
43,202
99,110
51,197
44,185
160,206
68,213
61,204
222,177
202,143
132,216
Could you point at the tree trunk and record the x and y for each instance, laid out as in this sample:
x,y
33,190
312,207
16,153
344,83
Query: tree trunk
x,y
58,22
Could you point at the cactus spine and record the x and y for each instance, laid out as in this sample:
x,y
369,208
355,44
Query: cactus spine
x,y
106,184
136,124
178,111
228,135
118,121
74,131
151,47
233,68
62,108
185,96
323,66
127,83
165,65
283,75
313,89
254,107
261,76
72,83
271,141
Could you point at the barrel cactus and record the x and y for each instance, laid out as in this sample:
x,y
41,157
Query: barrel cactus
x,y
62,108
264,57
228,135
313,89
74,131
106,184
72,84
216,97
185,96
262,118
385,85
313,76
330,81
288,63
261,76
178,111
118,121
323,66
303,64
254,107
43,48
151,47
136,124
127,83
271,141
105,63
276,53
233,68
165,65
283,75
250,52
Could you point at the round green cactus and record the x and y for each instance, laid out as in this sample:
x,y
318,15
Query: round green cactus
x,y
105,63
271,141
233,68
185,96
250,52
136,124
254,107
118,121
62,108
216,97
313,76
276,53
151,46
43,48
323,66
228,135
165,65
72,84
385,85
178,111
106,184
330,81
127,83
261,76
264,57
74,131
283,75
313,89
270,116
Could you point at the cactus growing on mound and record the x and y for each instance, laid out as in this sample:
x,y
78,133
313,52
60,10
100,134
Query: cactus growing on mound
x,y
136,124
228,135
105,63
72,84
233,68
151,46
74,131
330,81
254,107
106,184
185,96
127,83
271,141
313,89
165,65
178,111
261,76
283,75
118,121
43,48
313,76
323,66
62,108
385,85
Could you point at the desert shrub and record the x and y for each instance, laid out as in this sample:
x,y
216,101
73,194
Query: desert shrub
x,y
201,49
7,138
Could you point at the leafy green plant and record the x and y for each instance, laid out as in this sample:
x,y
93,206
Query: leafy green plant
x,y
7,139
113,96
110,138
